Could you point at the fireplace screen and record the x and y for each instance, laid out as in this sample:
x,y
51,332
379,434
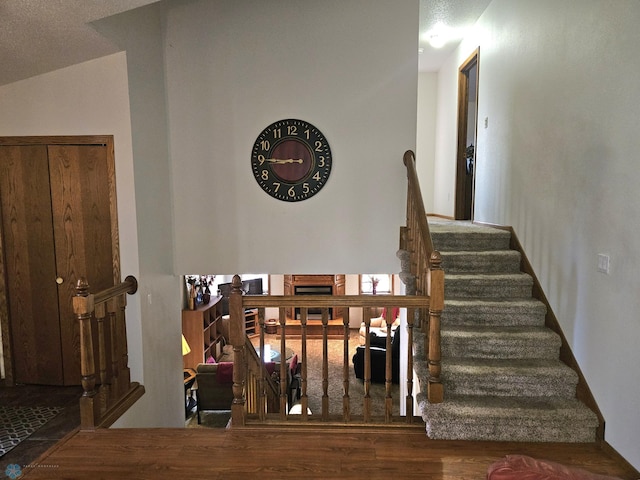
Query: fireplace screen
x,y
313,313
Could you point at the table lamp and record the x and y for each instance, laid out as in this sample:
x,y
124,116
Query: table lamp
x,y
185,346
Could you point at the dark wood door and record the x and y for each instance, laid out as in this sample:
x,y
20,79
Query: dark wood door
x,y
82,235
58,225
30,265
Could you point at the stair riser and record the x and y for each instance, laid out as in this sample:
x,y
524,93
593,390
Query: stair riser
x,y
456,242
487,288
477,262
511,432
491,320
493,314
510,385
499,348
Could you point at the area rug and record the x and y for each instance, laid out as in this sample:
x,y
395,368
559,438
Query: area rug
x,y
335,352
18,423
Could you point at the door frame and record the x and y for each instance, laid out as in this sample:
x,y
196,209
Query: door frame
x,y
463,113
107,141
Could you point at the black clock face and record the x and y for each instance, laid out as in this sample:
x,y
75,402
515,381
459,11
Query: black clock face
x,y
291,160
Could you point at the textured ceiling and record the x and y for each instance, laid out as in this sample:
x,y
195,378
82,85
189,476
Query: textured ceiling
x,y
39,36
458,14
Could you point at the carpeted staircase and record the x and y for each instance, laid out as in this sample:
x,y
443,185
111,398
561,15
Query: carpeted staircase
x,y
502,377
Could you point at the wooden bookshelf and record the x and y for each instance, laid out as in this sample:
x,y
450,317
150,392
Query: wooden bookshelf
x,y
202,328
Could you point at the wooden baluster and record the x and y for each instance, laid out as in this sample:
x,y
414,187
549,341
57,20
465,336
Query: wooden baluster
x,y
367,365
346,407
283,363
435,391
237,339
388,371
409,399
304,399
262,393
325,365
113,356
83,306
103,391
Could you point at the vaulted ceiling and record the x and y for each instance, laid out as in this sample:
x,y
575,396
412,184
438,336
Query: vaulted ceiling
x,y
39,36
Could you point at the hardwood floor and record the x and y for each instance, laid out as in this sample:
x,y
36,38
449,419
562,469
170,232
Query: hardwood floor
x,y
302,453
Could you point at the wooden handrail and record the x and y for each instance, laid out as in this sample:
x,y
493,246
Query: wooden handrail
x,y
426,270
415,201
103,335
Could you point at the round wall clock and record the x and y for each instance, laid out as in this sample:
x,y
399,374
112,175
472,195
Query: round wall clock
x,y
291,160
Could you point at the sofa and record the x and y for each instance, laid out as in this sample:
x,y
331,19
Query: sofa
x,y
378,354
378,324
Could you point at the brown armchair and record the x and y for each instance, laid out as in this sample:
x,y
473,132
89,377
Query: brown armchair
x,y
215,386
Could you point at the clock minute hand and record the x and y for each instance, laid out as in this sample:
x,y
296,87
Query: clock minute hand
x,y
281,161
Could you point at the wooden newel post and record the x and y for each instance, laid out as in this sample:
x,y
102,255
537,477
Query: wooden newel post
x,y
435,393
83,307
237,339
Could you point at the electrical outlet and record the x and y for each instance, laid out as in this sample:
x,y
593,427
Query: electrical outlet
x,y
603,263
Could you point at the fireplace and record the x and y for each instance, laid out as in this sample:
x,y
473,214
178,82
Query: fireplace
x,y
313,313
314,285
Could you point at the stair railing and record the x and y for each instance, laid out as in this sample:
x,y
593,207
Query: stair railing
x,y
426,271
244,377
103,343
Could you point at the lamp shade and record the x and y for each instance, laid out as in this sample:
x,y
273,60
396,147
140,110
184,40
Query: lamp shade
x,y
185,346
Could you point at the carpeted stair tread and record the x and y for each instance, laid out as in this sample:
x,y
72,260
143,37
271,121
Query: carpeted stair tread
x,y
490,261
500,370
512,377
544,419
449,236
494,312
503,342
517,285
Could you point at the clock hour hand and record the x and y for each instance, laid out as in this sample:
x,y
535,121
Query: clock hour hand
x,y
281,161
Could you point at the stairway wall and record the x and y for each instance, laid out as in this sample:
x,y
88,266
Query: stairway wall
x,y
556,161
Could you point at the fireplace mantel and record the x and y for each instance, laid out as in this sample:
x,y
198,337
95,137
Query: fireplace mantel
x,y
337,283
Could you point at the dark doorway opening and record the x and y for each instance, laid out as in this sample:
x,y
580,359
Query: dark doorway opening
x,y
467,134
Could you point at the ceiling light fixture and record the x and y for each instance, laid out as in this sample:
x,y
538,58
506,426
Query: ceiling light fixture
x,y
436,41
438,35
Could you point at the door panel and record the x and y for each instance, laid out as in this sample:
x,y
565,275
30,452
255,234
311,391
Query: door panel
x,y
30,264
80,199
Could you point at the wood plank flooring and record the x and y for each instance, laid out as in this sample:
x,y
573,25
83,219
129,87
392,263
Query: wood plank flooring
x,y
301,453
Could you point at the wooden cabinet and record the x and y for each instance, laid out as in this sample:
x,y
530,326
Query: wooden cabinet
x,y
58,222
202,328
251,322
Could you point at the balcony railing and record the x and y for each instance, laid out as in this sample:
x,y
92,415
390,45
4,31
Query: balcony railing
x,y
107,388
254,407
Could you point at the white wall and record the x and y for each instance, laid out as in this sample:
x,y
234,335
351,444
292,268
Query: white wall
x,y
204,79
426,130
234,67
86,99
558,162
139,32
